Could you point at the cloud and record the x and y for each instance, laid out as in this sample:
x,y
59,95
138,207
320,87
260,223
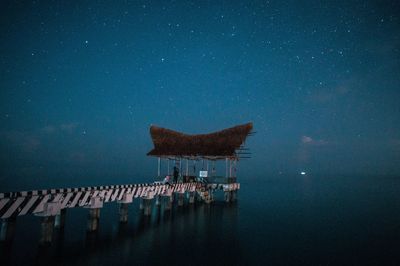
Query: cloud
x,y
32,141
324,95
307,148
49,129
65,127
306,140
23,141
69,127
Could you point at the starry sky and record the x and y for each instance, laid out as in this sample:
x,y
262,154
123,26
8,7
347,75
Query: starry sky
x,y
82,81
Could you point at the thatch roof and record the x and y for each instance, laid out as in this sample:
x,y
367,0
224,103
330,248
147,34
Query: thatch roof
x,y
217,145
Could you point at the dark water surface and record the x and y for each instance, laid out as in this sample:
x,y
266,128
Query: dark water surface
x,y
285,220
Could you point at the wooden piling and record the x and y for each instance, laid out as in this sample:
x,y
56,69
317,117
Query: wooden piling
x,y
209,196
147,206
167,202
8,229
93,219
181,198
234,195
123,212
59,221
46,235
158,200
192,195
227,196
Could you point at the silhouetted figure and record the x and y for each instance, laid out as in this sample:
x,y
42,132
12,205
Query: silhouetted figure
x,y
167,179
176,174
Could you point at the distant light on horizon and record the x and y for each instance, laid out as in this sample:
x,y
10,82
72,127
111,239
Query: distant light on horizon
x,y
303,173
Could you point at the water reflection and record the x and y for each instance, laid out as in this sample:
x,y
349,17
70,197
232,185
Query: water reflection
x,y
284,221
174,236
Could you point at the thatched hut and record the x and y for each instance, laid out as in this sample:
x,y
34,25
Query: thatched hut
x,y
218,145
226,144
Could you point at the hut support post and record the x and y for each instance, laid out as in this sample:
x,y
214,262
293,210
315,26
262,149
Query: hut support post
x,y
180,167
159,167
230,168
226,167
187,167
213,170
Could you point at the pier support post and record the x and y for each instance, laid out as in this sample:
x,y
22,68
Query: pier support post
x,y
96,204
123,212
48,214
192,195
210,196
8,229
127,198
147,206
181,197
46,230
199,197
228,196
93,219
141,204
158,200
234,195
59,221
167,200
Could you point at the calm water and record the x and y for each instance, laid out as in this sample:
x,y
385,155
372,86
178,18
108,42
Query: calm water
x,y
301,220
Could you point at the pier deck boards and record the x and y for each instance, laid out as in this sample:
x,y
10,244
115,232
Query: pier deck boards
x,y
36,201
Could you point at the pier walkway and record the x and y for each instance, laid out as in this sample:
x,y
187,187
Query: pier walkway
x,y
51,204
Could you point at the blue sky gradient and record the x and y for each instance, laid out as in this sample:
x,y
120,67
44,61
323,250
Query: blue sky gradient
x,y
82,82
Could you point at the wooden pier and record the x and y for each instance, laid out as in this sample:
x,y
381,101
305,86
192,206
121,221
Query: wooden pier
x,y
51,205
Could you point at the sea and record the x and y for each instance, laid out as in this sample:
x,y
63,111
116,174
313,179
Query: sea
x,y
276,220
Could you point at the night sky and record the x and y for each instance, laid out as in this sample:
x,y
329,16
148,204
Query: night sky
x,y
82,81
